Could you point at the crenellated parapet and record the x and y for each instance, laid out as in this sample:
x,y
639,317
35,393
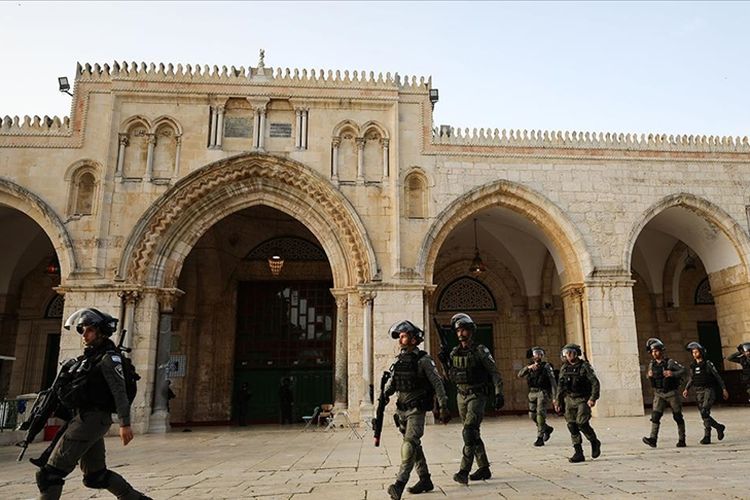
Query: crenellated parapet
x,y
35,125
588,140
251,75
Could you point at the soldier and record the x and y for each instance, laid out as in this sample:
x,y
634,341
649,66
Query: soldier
x,y
706,379
580,388
416,379
474,372
742,357
97,390
664,374
542,385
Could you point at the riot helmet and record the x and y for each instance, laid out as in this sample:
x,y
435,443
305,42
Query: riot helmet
x,y
462,320
744,347
696,345
535,351
571,348
89,316
408,327
654,343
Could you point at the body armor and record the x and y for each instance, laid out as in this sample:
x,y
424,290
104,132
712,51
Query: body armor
x,y
659,381
573,381
466,368
406,372
88,388
701,375
538,379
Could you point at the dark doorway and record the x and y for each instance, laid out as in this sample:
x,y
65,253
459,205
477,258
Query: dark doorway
x,y
51,357
284,330
709,338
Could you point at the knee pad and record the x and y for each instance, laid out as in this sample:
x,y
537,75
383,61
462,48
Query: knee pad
x,y
656,417
49,476
573,428
98,480
678,418
470,435
705,413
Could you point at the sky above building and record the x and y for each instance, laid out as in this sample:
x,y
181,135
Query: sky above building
x,y
643,67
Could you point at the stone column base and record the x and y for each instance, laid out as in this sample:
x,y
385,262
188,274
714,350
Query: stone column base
x,y
159,422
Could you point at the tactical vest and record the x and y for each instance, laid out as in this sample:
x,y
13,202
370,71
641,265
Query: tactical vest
x,y
467,368
573,381
745,375
659,381
88,389
406,376
701,375
539,378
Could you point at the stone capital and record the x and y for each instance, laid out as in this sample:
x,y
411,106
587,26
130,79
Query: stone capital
x,y
167,298
130,296
336,142
360,142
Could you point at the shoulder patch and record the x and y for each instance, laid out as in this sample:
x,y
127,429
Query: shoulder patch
x,y
116,358
118,370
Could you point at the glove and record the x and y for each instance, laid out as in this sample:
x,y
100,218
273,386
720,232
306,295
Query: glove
x,y
499,401
445,415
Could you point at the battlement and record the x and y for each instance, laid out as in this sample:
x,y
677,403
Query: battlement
x,y
35,126
250,75
588,140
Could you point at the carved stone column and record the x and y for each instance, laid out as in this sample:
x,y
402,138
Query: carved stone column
x,y
335,159
360,159
366,406
150,157
262,128
212,132
341,373
298,124
159,421
130,299
178,141
220,126
304,128
123,143
385,159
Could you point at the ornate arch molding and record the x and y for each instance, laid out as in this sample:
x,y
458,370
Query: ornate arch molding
x,y
561,232
704,209
165,234
23,200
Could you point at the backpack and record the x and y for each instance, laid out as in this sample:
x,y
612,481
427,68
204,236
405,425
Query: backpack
x,y
130,375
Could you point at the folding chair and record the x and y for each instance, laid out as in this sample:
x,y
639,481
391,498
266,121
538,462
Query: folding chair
x,y
309,419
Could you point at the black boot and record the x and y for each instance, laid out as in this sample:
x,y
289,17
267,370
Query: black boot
x,y
681,443
650,441
596,448
548,432
424,484
578,455
481,474
396,489
539,441
461,476
720,431
706,439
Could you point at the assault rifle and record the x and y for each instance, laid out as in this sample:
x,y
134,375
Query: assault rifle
x,y
377,422
46,403
445,351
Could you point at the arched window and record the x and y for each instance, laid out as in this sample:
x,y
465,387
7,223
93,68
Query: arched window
x,y
82,192
703,295
466,294
415,196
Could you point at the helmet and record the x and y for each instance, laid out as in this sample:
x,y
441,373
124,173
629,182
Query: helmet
x,y
462,320
571,347
408,327
91,317
744,347
535,351
654,343
695,345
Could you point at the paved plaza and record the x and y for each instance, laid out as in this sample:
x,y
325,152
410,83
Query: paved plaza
x,y
272,462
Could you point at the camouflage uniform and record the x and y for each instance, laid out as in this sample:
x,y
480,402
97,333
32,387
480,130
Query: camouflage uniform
x,y
744,361
706,379
416,379
542,385
475,374
666,393
578,385
98,390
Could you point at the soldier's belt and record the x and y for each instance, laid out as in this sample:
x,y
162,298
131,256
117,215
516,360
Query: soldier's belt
x,y
409,405
472,390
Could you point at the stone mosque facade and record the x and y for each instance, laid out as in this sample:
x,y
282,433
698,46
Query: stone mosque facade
x,y
253,224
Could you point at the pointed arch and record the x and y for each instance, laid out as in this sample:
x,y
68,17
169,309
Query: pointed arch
x,y
165,234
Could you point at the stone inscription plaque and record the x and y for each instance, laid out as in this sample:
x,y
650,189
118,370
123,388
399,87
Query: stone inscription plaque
x,y
281,130
238,126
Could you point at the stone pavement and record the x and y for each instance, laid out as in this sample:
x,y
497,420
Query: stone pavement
x,y
288,463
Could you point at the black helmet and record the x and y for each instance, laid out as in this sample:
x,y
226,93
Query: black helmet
x,y
462,320
408,327
654,343
536,350
571,347
744,347
91,317
695,345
